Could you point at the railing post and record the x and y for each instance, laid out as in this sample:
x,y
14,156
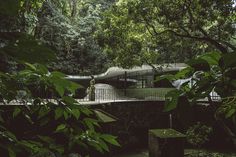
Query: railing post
x,y
125,84
170,120
142,82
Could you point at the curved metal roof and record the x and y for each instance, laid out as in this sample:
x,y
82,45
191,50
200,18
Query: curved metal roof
x,y
141,70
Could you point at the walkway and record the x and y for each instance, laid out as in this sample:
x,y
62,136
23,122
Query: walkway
x,y
105,94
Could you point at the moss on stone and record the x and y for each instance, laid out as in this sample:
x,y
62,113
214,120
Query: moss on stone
x,y
166,133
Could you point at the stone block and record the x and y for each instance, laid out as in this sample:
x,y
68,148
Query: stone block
x,y
166,143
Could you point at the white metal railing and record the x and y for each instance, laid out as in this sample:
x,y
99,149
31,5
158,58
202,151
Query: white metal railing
x,y
136,94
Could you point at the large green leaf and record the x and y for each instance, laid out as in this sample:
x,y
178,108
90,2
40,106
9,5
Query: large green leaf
x,y
60,90
199,64
59,112
85,110
60,127
60,85
212,58
103,145
91,123
110,139
184,73
76,113
69,100
171,100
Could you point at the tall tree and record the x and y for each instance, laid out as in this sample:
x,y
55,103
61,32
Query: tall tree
x,y
165,26
69,26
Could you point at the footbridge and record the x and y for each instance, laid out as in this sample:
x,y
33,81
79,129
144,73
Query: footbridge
x,y
118,77
135,84
121,84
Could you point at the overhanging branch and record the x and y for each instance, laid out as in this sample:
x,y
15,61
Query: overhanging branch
x,y
205,37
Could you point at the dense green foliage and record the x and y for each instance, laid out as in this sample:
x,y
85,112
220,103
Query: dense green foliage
x,y
66,36
134,32
69,26
50,126
198,134
212,72
43,119
66,26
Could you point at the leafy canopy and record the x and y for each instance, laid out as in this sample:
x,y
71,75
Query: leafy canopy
x,y
44,120
134,30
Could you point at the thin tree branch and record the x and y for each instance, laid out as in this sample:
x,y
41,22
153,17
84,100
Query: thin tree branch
x,y
205,36
229,45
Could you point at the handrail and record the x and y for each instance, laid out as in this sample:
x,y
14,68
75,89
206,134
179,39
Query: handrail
x,y
157,94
